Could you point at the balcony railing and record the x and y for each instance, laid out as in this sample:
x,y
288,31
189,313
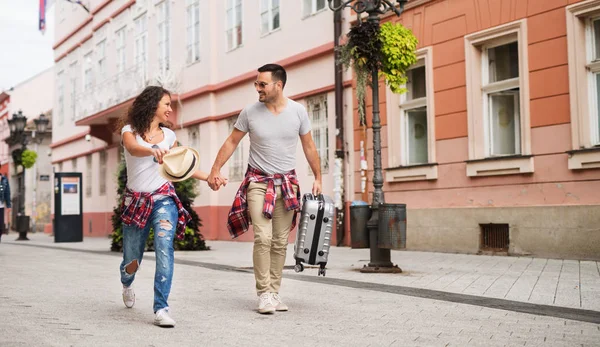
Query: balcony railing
x,y
122,87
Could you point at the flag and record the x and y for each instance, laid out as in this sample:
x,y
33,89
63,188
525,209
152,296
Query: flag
x,y
42,22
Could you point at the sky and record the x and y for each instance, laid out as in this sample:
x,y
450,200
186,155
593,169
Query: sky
x,y
25,51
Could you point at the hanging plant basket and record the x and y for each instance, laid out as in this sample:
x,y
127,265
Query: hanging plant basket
x,y
389,49
28,158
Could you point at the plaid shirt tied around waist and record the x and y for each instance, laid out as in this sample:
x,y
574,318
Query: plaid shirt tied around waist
x,y
238,219
137,207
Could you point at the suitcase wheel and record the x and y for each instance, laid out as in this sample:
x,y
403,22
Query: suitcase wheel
x,y
299,268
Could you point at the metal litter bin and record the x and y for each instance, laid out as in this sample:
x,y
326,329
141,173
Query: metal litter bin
x,y
359,234
392,226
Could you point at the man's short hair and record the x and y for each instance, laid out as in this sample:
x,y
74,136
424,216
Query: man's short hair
x,y
277,72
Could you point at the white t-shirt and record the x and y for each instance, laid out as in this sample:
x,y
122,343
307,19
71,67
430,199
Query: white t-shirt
x,y
142,172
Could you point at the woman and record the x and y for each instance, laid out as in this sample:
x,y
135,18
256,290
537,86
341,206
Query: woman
x,y
150,200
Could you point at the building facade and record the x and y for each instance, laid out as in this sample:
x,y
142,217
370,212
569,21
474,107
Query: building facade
x,y
31,189
496,145
206,53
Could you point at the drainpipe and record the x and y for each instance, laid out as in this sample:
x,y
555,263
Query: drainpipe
x,y
339,128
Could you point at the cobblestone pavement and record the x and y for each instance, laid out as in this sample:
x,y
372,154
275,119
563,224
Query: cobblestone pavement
x,y
51,296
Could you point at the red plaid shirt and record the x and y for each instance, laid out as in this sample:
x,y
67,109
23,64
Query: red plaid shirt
x,y
238,220
137,208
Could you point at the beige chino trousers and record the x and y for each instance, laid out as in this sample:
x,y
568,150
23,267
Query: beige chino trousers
x,y
270,237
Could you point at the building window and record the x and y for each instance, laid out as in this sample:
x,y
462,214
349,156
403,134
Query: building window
x,y
194,137
120,45
102,176
101,54
236,162
583,36
414,111
193,31
269,15
88,175
60,91
73,79
312,6
498,101
87,72
317,112
141,47
411,132
164,50
234,24
500,90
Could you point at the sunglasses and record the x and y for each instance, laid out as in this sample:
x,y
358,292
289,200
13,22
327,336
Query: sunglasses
x,y
262,85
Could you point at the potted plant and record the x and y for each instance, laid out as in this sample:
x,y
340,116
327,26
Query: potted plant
x,y
28,158
389,49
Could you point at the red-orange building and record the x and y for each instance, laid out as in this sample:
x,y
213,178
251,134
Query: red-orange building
x,y
500,126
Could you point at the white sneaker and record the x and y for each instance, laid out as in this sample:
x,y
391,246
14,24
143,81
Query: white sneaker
x,y
279,305
162,318
264,304
128,297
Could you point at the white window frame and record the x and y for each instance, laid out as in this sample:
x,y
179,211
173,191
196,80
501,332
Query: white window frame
x,y
141,46
397,107
88,72
489,88
480,163
236,162
103,162
237,24
89,163
269,11
60,91
73,72
163,22
323,127
313,8
194,137
585,136
193,31
101,60
121,43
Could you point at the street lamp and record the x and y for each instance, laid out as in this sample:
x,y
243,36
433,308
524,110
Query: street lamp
x,y
41,124
17,124
380,258
18,135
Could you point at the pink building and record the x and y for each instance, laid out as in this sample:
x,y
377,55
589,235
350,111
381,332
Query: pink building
x,y
206,53
497,144
495,147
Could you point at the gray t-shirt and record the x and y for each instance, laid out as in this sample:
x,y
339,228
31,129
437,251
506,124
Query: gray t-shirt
x,y
273,139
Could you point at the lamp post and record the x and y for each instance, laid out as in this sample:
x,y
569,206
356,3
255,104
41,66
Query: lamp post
x,y
18,135
380,258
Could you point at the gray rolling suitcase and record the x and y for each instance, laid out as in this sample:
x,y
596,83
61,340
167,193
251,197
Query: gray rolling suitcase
x,y
313,238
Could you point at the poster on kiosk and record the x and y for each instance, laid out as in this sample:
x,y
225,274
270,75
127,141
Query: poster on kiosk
x,y
68,216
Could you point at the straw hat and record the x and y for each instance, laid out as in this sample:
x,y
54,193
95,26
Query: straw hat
x,y
179,164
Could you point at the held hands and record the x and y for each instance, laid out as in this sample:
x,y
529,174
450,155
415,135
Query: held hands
x,y
215,180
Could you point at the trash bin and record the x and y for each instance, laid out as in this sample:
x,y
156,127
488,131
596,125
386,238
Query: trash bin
x,y
392,226
22,223
359,234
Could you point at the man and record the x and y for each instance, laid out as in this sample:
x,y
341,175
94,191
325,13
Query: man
x,y
269,196
4,200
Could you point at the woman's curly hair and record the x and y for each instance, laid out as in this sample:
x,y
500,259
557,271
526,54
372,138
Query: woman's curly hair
x,y
142,111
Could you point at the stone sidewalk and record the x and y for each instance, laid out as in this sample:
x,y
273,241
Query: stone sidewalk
x,y
69,295
555,282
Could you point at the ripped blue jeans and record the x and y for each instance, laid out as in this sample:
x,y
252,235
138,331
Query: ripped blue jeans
x,y
163,220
